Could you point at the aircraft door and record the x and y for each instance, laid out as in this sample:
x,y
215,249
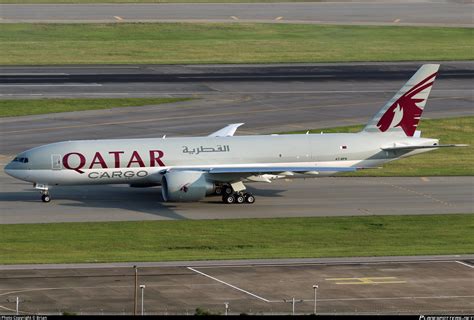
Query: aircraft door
x,y
56,162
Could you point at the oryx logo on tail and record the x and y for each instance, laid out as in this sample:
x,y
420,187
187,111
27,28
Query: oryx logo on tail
x,y
406,112
402,113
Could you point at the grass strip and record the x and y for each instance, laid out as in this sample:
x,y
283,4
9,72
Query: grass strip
x,y
441,162
237,239
11,108
195,43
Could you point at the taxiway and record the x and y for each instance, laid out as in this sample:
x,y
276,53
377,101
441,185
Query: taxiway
x,y
386,12
374,285
268,98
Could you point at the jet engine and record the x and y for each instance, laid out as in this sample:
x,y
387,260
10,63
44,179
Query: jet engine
x,y
181,186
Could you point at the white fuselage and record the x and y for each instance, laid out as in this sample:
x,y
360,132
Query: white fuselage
x,y
139,161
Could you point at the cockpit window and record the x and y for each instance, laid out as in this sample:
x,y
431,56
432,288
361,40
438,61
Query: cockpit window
x,y
22,160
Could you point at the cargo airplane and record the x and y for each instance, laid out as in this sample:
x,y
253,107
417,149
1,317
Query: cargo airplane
x,y
191,168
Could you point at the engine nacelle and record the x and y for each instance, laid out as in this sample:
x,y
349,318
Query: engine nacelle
x,y
182,186
144,185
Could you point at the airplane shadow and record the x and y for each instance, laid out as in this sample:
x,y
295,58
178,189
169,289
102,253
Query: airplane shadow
x,y
120,197
270,193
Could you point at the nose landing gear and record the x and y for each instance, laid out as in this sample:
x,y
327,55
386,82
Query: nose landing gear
x,y
45,197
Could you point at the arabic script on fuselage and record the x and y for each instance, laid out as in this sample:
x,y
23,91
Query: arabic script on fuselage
x,y
202,149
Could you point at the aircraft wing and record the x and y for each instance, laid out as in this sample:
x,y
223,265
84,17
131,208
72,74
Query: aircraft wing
x,y
227,131
278,169
408,148
255,170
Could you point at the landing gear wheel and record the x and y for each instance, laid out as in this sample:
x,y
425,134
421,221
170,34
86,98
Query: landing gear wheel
x,y
227,190
239,198
229,198
249,198
45,198
218,191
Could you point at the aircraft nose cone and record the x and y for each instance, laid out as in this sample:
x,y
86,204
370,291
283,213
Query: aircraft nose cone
x,y
12,170
8,169
16,172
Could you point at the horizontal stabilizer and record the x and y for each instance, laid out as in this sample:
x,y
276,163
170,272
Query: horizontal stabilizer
x,y
227,131
423,147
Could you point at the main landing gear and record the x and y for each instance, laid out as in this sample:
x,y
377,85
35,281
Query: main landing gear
x,y
238,197
230,196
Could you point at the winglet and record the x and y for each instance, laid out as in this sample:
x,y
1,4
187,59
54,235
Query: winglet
x,y
227,131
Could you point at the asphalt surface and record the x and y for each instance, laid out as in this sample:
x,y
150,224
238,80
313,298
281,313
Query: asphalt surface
x,y
322,72
435,13
268,98
301,198
386,285
316,96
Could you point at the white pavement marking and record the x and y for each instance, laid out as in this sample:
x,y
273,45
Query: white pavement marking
x,y
21,95
391,298
53,85
43,289
278,18
222,91
427,196
228,284
465,264
118,18
234,18
13,310
258,76
33,74
72,94
76,67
